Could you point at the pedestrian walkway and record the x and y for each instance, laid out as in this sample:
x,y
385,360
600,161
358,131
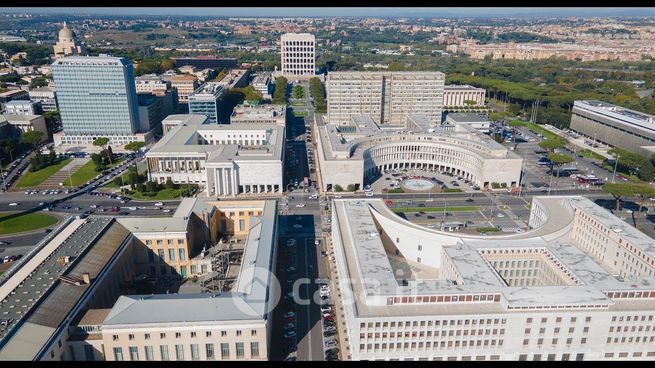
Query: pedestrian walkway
x,y
62,175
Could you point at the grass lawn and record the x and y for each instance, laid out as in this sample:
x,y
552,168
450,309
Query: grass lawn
x,y
82,175
162,195
437,209
300,113
298,103
32,179
25,222
487,229
536,127
587,153
452,190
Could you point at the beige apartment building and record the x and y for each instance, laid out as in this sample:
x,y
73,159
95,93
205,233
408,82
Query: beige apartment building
x,y
186,84
387,97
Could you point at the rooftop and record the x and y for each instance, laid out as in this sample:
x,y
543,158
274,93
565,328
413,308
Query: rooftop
x,y
465,263
623,114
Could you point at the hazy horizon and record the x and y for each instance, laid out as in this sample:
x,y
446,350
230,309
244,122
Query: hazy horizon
x,y
342,11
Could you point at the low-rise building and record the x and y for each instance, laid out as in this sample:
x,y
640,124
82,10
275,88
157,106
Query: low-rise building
x,y
463,96
226,159
47,96
20,124
356,153
23,107
614,125
478,122
259,114
12,95
150,83
262,83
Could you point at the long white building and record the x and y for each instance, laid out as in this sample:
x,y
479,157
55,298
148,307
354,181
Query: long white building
x,y
579,286
225,159
388,97
354,153
463,95
298,55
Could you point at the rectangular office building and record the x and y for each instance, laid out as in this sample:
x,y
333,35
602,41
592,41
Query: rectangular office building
x,y
387,97
97,97
206,100
615,125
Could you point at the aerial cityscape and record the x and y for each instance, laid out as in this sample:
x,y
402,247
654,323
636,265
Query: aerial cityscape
x,y
327,184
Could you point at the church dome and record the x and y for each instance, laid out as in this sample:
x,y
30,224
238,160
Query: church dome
x,y
66,33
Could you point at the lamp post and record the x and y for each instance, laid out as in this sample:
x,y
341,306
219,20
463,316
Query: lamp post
x,y
616,164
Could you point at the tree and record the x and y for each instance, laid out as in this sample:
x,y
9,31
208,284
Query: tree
x,y
298,92
351,187
280,93
618,191
169,184
134,147
33,138
97,160
553,143
52,156
643,193
338,188
103,142
556,161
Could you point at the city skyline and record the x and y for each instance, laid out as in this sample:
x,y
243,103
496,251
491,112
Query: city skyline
x,y
412,12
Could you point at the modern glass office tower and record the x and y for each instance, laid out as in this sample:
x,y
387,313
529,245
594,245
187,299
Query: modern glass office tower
x,y
206,100
96,96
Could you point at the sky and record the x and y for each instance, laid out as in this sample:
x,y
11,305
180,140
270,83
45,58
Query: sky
x,y
354,11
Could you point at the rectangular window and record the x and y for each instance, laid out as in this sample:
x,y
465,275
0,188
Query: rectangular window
x,y
242,225
118,354
149,353
209,348
171,254
194,269
134,353
182,253
195,355
183,271
225,350
163,350
254,349
240,350
179,352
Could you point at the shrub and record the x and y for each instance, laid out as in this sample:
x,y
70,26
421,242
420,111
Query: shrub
x,y
169,184
118,181
140,187
495,185
338,188
351,187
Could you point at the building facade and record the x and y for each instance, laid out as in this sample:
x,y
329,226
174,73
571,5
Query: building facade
x,y
47,96
185,85
151,83
463,95
298,55
96,97
204,62
387,97
259,114
207,100
20,124
553,292
262,83
614,125
23,107
224,159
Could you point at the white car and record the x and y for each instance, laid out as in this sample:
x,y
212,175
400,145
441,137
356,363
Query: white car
x,y
338,196
12,204
369,194
300,205
159,204
500,215
166,210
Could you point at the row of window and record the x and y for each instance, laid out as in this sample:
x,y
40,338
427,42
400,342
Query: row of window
x,y
192,334
452,322
148,352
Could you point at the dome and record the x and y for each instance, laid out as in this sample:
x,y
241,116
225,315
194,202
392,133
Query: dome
x,y
66,33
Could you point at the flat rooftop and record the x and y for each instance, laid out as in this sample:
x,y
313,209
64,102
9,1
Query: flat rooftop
x,y
42,300
366,250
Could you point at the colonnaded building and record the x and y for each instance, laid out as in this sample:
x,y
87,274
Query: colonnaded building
x,y
225,159
92,289
579,285
354,153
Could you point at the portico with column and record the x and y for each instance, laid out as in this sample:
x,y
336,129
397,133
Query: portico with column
x,y
222,179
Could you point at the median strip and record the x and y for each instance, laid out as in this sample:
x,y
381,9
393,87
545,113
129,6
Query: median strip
x,y
437,209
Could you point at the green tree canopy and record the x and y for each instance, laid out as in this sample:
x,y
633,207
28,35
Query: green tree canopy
x,y
280,93
552,143
618,191
33,138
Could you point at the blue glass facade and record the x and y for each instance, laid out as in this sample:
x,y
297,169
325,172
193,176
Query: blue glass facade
x,y
96,95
